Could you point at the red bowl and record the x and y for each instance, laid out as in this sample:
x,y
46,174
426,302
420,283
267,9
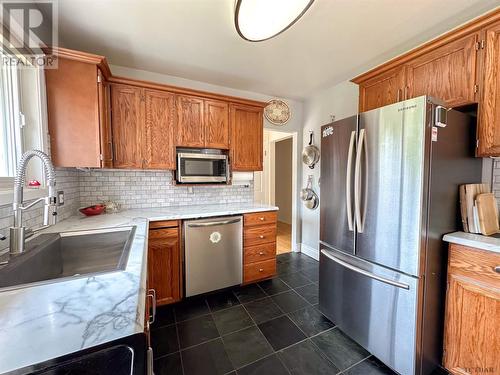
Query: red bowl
x,y
93,210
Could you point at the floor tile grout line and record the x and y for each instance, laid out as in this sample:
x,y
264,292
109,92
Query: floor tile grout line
x,y
357,363
179,343
326,356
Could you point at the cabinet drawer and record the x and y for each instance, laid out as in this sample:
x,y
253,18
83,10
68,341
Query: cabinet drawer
x,y
155,234
163,224
259,235
259,270
259,253
260,218
476,264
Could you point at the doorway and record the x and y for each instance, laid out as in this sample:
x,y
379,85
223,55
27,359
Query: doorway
x,y
277,185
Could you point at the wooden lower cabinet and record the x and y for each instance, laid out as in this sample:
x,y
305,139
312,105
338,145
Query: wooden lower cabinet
x,y
164,261
472,321
259,246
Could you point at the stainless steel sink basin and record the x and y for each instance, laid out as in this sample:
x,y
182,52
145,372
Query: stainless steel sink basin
x,y
55,256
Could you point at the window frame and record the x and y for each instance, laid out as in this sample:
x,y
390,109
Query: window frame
x,y
7,182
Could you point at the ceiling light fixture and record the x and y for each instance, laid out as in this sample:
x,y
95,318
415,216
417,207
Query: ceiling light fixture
x,y
258,20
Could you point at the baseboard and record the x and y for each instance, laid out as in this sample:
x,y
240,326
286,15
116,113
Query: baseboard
x,y
309,251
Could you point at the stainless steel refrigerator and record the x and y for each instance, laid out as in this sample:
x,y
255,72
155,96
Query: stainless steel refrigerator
x,y
389,191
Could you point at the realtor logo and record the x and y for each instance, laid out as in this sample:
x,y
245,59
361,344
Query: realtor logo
x,y
29,30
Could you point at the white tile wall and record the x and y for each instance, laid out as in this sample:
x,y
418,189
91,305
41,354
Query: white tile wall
x,y
130,189
143,189
495,183
67,180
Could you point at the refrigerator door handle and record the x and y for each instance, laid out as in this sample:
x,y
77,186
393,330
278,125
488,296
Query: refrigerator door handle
x,y
348,199
357,181
371,275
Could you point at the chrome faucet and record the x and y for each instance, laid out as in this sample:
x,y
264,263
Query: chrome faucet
x,y
18,233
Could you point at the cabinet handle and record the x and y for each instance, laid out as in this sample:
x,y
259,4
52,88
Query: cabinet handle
x,y
261,237
262,219
261,270
261,253
406,93
497,269
152,295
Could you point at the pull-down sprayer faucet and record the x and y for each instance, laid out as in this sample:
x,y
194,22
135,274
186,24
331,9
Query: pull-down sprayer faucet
x,y
18,233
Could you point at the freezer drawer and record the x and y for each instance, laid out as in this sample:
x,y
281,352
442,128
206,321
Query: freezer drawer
x,y
213,254
374,306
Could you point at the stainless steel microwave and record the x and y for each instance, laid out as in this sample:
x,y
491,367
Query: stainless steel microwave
x,y
202,166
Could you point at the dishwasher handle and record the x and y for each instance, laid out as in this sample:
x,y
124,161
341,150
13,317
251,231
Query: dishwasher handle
x,y
214,223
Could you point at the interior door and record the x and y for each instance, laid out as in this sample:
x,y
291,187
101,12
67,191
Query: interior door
x,y
388,184
338,149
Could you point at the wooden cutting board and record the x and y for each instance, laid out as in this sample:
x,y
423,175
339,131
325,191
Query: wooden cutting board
x,y
487,213
468,193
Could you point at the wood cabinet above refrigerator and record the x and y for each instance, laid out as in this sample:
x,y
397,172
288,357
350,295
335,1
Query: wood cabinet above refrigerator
x,y
460,68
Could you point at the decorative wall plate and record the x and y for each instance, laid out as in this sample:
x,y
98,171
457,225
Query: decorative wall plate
x,y
277,112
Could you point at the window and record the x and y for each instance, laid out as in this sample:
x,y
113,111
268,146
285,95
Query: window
x,y
10,125
22,122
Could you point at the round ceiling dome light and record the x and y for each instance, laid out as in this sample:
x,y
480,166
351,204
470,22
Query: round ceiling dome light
x,y
258,20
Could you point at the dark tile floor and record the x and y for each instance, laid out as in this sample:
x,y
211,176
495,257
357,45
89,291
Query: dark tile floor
x,y
270,328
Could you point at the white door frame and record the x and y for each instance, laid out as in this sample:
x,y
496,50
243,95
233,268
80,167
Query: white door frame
x,y
276,137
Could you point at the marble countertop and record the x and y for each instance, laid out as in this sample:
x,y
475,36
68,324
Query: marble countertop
x,y
477,241
47,321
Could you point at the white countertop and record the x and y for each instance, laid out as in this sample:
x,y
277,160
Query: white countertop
x,y
51,320
477,241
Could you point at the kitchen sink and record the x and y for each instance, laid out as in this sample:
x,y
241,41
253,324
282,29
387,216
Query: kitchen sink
x,y
53,257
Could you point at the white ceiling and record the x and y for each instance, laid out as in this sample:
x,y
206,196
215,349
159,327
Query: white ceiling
x,y
196,39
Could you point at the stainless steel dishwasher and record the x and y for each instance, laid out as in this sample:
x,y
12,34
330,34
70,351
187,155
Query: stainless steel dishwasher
x,y
213,250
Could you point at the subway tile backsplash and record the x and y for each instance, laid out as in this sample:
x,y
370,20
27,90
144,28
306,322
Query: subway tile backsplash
x,y
67,180
130,189
143,189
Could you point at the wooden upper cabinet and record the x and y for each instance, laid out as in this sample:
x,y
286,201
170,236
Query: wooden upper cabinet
x,y
216,124
127,126
489,105
246,137
77,112
164,264
106,135
447,73
190,121
384,89
159,144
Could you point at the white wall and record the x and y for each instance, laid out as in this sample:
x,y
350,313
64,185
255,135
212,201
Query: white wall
x,y
340,101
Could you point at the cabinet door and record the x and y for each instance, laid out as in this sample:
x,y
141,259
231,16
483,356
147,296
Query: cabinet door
x,y
246,127
384,89
73,114
127,125
489,106
190,119
159,133
216,124
164,267
105,123
472,330
447,73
